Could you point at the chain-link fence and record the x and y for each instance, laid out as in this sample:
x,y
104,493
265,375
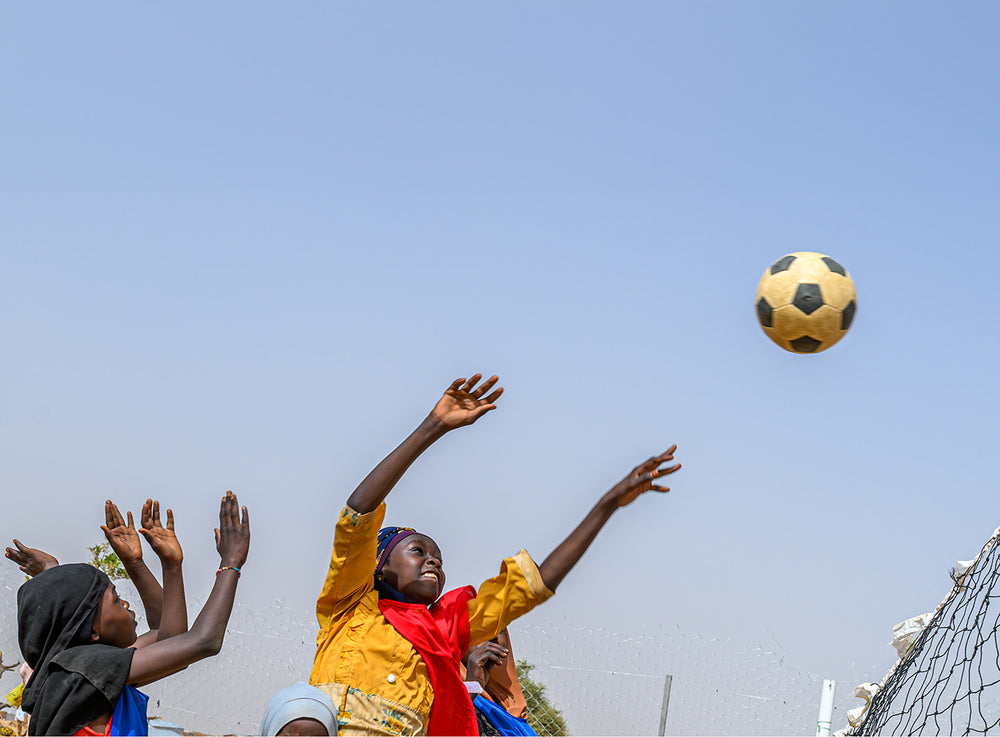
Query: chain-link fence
x,y
597,681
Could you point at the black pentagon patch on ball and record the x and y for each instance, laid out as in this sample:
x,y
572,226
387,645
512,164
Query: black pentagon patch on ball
x,y
808,298
782,264
847,316
805,344
764,313
834,266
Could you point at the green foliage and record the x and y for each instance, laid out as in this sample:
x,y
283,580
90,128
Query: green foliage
x,y
104,558
543,717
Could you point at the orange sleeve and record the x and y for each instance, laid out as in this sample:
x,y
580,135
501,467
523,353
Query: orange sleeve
x,y
352,565
515,591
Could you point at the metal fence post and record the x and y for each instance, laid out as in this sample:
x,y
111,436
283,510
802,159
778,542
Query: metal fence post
x,y
667,680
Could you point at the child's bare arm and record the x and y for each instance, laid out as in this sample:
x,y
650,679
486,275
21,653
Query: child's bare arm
x,y
462,404
164,543
124,540
639,481
205,637
30,560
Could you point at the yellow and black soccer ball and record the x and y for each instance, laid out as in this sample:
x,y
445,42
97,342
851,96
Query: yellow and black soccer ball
x,y
806,302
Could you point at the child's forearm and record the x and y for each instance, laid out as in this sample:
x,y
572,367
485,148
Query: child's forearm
x,y
174,621
565,556
210,625
376,487
149,590
203,640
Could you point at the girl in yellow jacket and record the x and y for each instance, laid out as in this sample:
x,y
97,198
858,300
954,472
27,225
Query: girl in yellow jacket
x,y
390,644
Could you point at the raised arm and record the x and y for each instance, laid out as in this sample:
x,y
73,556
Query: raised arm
x,y
162,658
639,481
31,561
164,543
462,404
124,540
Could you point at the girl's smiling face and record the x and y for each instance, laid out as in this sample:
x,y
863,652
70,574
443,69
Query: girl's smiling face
x,y
115,622
414,569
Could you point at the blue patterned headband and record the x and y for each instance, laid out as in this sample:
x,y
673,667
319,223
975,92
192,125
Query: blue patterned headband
x,y
388,538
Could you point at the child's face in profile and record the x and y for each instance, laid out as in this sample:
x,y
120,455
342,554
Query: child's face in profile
x,y
115,622
414,570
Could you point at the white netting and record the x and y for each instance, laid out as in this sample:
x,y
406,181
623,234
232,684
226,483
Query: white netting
x,y
602,682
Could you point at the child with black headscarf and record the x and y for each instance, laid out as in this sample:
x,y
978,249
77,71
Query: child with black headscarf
x,y
80,639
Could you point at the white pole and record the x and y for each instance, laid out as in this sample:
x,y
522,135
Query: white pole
x,y
825,720
665,704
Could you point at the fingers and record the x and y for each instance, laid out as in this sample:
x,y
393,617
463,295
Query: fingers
x,y
156,514
112,516
147,513
482,410
229,515
479,392
131,523
485,386
655,461
20,546
657,472
246,520
495,648
455,384
489,654
473,380
170,520
661,489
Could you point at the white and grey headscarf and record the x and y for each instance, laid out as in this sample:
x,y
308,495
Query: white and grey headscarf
x,y
299,701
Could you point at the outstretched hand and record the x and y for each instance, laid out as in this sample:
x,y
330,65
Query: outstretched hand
x,y
30,560
161,539
642,478
232,536
124,539
463,403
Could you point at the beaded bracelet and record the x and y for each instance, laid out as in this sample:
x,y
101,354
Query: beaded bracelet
x,y
228,568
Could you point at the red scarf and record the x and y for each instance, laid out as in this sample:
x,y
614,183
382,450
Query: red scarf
x,y
440,633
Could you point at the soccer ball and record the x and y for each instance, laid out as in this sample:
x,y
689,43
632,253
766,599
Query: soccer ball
x,y
806,302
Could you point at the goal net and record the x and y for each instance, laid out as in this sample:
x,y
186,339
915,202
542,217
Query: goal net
x,y
947,679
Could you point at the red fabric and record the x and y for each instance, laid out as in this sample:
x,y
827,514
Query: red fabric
x,y
440,633
88,732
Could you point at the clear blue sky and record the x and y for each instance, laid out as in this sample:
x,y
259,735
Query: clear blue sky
x,y
247,246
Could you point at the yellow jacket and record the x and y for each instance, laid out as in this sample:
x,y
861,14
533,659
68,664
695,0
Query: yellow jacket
x,y
374,675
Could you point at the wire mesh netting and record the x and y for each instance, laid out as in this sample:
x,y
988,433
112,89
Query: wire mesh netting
x,y
613,683
949,681
594,680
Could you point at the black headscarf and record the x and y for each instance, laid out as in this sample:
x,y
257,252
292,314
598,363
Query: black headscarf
x,y
75,680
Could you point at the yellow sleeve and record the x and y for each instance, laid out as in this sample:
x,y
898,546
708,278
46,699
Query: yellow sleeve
x,y
500,600
352,564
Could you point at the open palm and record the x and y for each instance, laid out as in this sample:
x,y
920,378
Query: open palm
x,y
463,402
161,539
124,539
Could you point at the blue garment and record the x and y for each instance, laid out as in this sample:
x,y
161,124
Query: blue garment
x,y
504,722
129,717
